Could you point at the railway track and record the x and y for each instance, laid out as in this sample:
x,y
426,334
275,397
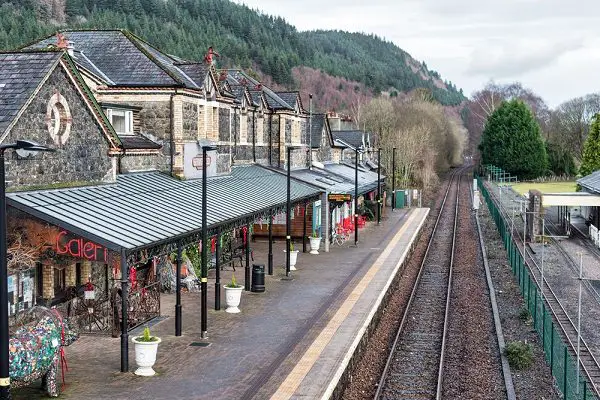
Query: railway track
x,y
567,329
414,368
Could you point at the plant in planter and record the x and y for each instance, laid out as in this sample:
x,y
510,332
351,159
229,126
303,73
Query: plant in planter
x,y
145,352
293,257
233,295
315,242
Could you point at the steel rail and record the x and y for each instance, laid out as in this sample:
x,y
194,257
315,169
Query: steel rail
x,y
384,375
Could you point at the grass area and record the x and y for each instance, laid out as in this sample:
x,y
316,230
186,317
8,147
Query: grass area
x,y
546,187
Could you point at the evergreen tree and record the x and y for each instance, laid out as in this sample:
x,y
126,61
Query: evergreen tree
x,y
591,149
511,140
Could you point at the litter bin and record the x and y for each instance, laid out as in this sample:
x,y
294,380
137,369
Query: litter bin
x,y
258,278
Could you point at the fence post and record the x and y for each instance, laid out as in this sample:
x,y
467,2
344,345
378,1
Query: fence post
x,y
529,292
551,347
535,313
565,364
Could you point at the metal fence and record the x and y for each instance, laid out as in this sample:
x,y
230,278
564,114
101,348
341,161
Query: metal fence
x,y
561,362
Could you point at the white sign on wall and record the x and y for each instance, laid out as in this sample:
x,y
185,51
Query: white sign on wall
x,y
192,161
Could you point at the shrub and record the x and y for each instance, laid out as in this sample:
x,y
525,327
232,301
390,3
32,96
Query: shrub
x,y
233,282
524,314
146,337
520,354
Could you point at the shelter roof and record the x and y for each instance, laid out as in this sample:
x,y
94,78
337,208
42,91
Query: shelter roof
x,y
146,209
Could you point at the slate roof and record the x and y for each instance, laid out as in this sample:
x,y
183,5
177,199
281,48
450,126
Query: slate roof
x,y
274,101
138,142
290,98
126,60
196,71
591,182
141,210
353,138
318,124
20,75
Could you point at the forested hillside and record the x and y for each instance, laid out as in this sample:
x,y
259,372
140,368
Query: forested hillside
x,y
243,37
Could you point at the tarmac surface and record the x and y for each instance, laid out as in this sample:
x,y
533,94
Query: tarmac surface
x,y
291,341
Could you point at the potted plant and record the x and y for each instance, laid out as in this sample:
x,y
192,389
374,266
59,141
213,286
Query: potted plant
x,y
233,295
315,242
293,257
145,352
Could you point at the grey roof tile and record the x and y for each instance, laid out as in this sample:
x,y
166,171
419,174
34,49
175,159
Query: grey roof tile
x,y
123,58
353,138
138,142
318,124
20,74
591,182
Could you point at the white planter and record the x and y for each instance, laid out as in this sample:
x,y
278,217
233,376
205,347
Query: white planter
x,y
293,259
145,356
315,242
233,295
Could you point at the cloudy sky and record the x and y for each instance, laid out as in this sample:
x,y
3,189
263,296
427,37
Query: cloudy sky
x,y
551,46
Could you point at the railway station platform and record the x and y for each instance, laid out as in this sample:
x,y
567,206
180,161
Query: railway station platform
x,y
292,341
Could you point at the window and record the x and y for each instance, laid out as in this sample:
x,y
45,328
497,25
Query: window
x,y
121,120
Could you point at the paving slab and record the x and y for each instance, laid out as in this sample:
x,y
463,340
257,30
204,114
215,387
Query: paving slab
x,y
290,341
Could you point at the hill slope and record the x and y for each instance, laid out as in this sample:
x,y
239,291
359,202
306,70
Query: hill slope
x,y
243,37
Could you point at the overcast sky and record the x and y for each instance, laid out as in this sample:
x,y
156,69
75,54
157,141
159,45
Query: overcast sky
x,y
551,46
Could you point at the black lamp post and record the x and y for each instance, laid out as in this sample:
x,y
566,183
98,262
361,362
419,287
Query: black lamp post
x,y
24,148
393,178
379,208
288,237
204,269
356,152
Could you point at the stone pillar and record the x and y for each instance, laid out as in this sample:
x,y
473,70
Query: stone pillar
x,y
86,271
48,281
70,275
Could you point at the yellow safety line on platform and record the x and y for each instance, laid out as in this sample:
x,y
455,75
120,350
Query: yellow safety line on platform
x,y
297,375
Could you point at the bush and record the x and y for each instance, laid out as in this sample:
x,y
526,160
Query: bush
x,y
520,354
524,314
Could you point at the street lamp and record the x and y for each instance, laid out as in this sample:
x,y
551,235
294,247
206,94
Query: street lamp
x,y
356,152
379,208
24,148
393,178
204,269
288,237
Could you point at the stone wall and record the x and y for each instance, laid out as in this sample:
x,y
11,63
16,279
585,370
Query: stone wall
x,y
223,160
82,159
288,130
224,118
155,122
190,121
144,162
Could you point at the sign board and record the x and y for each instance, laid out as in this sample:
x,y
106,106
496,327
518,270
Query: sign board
x,y
192,161
339,197
79,248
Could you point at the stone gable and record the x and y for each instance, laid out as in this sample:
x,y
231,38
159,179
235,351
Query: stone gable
x,y
59,118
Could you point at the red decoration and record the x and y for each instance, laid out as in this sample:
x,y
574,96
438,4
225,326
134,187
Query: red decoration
x,y
133,278
244,233
213,244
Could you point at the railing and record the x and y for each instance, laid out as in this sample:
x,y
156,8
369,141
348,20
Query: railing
x,y
559,354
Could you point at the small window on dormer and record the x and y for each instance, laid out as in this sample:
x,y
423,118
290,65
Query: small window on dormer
x,y
121,120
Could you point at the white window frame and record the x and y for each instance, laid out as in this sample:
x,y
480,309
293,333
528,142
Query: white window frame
x,y
128,114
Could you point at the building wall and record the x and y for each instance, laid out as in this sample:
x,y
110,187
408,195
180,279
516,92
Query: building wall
x,y
190,121
143,162
154,122
82,159
296,227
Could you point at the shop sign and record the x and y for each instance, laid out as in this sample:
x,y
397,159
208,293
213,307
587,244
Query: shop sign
x,y
80,248
339,197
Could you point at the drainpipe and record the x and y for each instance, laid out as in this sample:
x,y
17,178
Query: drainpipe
x,y
234,135
172,128
270,140
253,137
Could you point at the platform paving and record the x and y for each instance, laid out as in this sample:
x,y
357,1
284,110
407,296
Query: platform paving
x,y
290,341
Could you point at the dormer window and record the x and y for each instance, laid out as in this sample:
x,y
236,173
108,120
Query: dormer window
x,y
121,120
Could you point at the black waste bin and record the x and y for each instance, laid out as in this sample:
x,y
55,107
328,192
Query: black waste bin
x,y
258,278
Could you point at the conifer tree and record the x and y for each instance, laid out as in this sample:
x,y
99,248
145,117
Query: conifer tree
x,y
512,141
591,149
